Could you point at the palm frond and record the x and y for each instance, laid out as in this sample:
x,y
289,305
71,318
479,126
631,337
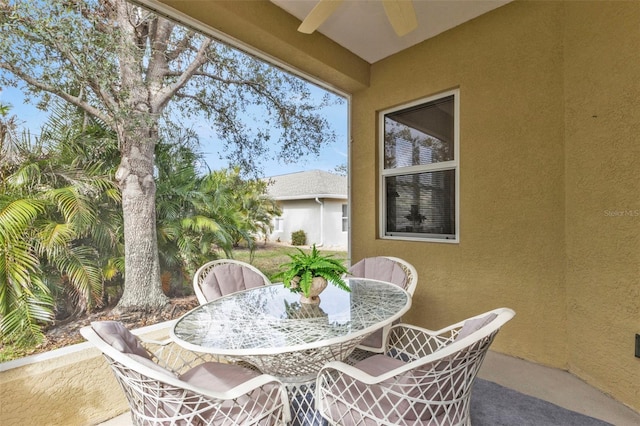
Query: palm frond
x,y
201,223
26,176
16,216
25,301
84,275
74,206
54,236
22,324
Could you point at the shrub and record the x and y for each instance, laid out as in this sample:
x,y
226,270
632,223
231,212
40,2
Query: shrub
x,y
298,238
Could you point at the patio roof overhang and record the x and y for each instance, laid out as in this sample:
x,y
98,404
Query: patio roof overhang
x,y
265,30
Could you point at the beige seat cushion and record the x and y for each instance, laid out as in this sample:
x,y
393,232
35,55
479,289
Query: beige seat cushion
x,y
383,269
472,325
221,377
218,376
388,399
228,278
116,334
402,397
374,340
380,268
378,365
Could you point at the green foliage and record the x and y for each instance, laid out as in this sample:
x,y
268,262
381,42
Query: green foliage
x,y
61,243
199,215
56,229
298,238
133,72
25,300
299,272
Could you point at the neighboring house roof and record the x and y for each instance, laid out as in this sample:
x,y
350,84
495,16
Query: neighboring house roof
x,y
305,185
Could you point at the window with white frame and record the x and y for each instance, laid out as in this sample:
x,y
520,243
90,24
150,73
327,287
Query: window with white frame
x,y
278,224
419,175
345,218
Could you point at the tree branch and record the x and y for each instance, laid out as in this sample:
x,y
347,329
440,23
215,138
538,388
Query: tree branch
x,y
126,48
53,90
164,96
46,36
181,46
159,36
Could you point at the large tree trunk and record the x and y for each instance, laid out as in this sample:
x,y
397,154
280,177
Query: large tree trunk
x,y
142,286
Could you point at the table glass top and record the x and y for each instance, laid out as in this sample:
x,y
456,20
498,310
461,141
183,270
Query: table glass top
x,y
271,318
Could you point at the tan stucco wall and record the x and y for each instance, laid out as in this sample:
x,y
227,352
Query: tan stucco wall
x,y
508,66
602,159
70,386
537,172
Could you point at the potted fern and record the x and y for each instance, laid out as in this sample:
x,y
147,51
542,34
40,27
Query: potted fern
x,y
310,273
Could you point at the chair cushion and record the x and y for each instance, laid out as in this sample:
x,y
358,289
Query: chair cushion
x,y
218,376
116,334
401,386
374,340
430,394
378,365
228,278
383,269
472,325
405,396
380,268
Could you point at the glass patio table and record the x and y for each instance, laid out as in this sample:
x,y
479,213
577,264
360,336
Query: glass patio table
x,y
269,328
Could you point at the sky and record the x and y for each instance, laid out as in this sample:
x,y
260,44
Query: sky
x,y
331,156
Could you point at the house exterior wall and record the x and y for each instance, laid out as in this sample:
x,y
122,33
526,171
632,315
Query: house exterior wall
x,y
306,215
334,236
299,215
548,142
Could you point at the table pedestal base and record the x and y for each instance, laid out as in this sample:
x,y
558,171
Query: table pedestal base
x,y
302,402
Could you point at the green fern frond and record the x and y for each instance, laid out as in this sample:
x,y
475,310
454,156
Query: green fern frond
x,y
298,273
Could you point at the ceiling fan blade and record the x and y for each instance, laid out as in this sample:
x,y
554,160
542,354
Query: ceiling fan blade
x,y
318,15
401,15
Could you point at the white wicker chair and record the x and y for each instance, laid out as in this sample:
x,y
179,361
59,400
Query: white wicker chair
x,y
384,268
224,276
425,377
167,385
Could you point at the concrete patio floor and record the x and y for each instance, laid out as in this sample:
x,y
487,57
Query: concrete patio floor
x,y
556,386
549,384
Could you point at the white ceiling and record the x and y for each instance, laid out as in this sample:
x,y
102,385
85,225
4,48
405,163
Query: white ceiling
x,y
361,26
